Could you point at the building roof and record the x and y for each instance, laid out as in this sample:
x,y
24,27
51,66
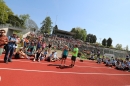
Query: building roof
x,y
64,32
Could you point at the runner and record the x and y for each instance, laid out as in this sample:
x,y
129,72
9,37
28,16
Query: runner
x,y
74,55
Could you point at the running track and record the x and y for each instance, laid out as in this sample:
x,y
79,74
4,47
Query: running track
x,y
24,72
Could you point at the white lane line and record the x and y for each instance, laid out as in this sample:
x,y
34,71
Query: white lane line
x,y
30,62
59,64
78,73
93,67
0,78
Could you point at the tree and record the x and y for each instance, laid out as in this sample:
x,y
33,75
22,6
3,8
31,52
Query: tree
x,y
91,38
24,18
46,25
83,34
109,42
73,30
104,42
5,11
118,46
79,33
14,20
127,48
54,29
94,38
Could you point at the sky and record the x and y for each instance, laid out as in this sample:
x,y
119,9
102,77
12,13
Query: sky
x,y
103,18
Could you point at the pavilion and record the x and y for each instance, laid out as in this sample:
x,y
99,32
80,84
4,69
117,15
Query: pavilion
x,y
63,34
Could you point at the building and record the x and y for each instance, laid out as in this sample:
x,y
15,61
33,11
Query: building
x,y
63,34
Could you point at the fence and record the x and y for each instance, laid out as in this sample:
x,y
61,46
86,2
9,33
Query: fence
x,y
10,26
117,53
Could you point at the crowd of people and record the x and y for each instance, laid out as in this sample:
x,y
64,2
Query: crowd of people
x,y
34,46
40,48
117,63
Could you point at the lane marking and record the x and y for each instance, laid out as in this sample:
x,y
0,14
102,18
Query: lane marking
x,y
59,64
0,78
30,62
78,73
93,67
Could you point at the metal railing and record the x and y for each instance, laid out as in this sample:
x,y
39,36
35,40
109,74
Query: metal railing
x,y
117,53
10,26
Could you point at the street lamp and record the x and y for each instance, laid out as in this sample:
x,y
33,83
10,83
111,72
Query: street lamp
x,y
100,40
56,19
3,15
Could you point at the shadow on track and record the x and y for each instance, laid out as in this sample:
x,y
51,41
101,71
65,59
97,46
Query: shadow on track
x,y
59,66
63,67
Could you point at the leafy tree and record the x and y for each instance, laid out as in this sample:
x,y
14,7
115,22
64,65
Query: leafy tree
x,y
14,20
109,42
91,38
104,42
24,18
94,38
2,1
118,46
46,25
5,11
79,33
73,30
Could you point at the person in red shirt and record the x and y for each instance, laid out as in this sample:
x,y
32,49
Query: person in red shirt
x,y
3,40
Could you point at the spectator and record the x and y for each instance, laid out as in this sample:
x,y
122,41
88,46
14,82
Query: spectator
x,y
3,40
10,48
37,55
20,54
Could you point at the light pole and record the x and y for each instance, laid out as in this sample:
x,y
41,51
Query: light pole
x,y
89,39
56,19
16,22
46,14
55,24
100,40
3,15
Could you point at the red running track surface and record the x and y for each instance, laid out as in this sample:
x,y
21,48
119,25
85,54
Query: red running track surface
x,y
23,72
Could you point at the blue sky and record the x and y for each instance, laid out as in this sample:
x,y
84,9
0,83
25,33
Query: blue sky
x,y
103,18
